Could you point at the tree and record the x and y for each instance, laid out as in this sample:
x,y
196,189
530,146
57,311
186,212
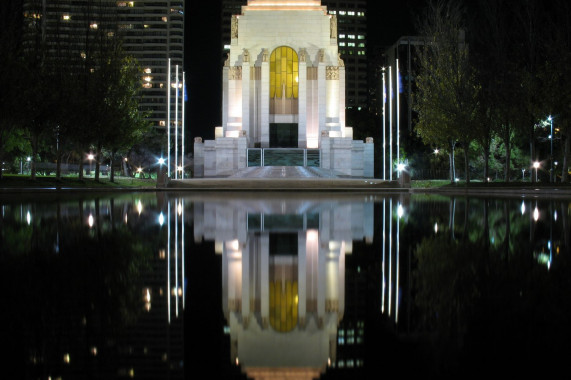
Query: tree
x,y
10,75
127,124
447,98
555,74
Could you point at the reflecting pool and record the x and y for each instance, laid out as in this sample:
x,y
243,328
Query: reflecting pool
x,y
283,286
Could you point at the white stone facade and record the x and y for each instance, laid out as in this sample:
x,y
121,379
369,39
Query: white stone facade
x,y
313,108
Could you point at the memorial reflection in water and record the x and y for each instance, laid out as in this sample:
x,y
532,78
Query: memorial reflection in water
x,y
288,284
283,264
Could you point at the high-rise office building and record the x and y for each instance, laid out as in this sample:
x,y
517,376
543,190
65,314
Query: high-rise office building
x,y
352,33
352,26
152,31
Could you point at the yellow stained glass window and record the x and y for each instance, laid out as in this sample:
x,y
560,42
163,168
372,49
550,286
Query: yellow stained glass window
x,y
284,73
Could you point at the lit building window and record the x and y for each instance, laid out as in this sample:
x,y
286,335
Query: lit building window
x,y
351,13
360,14
284,70
332,12
94,26
360,37
110,34
148,70
341,36
342,13
83,55
66,17
165,18
351,44
341,43
351,36
360,52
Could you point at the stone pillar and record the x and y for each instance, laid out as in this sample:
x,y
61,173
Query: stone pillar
x,y
369,158
225,71
198,170
342,97
234,100
302,101
265,103
241,152
341,155
246,92
325,150
209,158
357,156
321,93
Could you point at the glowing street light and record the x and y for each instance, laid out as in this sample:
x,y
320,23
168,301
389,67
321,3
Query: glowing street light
x,y
551,156
90,157
536,166
161,161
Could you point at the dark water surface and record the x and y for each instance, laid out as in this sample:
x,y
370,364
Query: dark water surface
x,y
283,286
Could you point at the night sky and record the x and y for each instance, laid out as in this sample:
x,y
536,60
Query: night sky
x,y
388,20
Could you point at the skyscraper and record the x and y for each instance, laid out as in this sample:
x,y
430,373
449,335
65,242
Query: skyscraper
x,y
151,31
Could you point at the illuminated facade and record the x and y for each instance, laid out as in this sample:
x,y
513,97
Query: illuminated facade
x,y
151,31
352,24
283,88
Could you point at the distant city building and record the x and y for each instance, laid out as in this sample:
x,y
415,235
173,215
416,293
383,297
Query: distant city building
x,y
152,32
352,29
284,88
352,24
402,52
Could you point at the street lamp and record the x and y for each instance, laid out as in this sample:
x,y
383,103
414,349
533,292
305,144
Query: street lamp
x,y
90,158
536,166
551,156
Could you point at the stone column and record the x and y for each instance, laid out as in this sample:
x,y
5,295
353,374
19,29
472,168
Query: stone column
x,y
246,91
369,158
325,150
342,96
302,100
265,101
321,91
198,171
225,72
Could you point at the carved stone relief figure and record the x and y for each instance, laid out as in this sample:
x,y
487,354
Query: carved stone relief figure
x,y
302,55
265,54
321,55
332,73
227,61
246,55
235,73
341,62
333,25
234,26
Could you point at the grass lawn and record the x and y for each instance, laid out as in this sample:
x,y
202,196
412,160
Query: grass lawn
x,y
24,181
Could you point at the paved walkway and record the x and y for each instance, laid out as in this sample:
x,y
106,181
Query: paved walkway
x,y
286,172
286,178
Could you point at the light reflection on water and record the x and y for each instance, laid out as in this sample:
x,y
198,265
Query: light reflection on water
x,y
306,285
